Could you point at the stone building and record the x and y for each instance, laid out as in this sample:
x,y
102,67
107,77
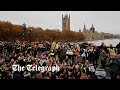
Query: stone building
x,y
65,22
91,34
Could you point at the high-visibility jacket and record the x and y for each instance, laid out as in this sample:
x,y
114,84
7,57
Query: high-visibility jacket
x,y
57,46
29,48
82,68
17,47
111,50
51,53
1,69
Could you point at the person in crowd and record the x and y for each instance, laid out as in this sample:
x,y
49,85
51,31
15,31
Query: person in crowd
x,y
51,54
102,58
113,63
97,54
118,47
91,54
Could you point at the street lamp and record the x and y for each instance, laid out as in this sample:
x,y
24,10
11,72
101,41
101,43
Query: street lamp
x,y
30,35
24,32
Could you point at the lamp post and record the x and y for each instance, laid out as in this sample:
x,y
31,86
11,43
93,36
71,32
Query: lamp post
x,y
24,32
30,35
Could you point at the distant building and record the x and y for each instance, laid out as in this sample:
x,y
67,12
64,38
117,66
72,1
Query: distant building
x,y
91,34
84,28
107,34
92,29
79,30
65,22
118,34
56,29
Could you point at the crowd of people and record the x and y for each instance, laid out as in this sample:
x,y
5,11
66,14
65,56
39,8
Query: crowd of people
x,y
76,61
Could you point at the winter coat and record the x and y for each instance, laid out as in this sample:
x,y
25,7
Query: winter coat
x,y
17,75
102,56
113,66
91,56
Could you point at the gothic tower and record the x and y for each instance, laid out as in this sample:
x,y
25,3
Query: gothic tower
x,y
84,29
92,28
65,22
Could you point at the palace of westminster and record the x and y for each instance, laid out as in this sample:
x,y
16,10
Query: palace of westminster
x,y
90,34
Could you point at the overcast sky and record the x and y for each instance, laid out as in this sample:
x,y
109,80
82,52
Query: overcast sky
x,y
103,21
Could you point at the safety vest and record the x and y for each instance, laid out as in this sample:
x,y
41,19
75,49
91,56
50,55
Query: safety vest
x,y
57,46
17,47
82,68
111,50
1,69
29,48
51,53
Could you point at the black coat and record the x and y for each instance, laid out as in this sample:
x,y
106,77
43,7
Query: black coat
x,y
21,63
17,75
91,56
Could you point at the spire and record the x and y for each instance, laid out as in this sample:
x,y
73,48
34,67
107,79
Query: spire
x,y
92,26
84,26
79,30
84,29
